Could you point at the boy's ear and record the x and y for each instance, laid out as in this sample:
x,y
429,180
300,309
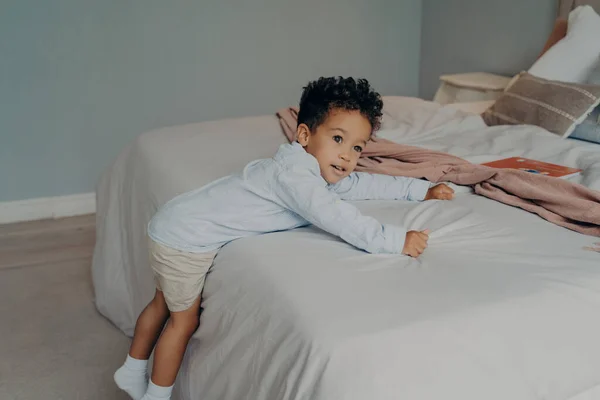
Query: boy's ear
x,y
303,134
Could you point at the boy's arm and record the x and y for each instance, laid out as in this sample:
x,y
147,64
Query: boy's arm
x,y
365,186
305,193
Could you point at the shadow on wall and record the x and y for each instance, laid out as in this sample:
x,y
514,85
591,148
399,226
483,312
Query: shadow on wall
x,y
496,36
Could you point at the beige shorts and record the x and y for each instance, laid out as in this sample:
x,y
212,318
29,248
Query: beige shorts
x,y
178,274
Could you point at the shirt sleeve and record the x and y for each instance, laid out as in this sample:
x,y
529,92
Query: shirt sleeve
x,y
365,186
305,193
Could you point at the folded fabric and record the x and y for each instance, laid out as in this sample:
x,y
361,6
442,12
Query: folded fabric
x,y
559,201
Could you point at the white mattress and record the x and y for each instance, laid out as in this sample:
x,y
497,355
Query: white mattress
x,y
502,305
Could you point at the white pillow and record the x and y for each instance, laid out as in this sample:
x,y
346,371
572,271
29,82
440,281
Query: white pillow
x,y
572,58
594,78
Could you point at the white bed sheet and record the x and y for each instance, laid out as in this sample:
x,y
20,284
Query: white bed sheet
x,y
473,107
502,305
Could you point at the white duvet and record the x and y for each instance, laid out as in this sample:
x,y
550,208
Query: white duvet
x,y
502,305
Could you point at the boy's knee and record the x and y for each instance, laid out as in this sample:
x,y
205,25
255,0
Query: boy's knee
x,y
186,323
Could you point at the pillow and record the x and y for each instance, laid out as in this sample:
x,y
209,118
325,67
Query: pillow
x,y
558,32
590,128
555,106
573,57
594,78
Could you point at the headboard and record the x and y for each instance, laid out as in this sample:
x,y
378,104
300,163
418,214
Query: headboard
x,y
566,6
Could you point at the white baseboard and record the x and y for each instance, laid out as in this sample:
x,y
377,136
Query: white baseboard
x,y
47,207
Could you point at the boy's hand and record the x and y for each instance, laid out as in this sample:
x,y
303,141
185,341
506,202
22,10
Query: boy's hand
x,y
415,243
440,192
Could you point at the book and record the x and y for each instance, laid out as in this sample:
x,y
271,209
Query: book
x,y
535,167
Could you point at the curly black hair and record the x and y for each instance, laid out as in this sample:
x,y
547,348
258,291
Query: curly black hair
x,y
325,94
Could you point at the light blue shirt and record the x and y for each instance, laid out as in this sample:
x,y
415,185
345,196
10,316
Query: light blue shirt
x,y
282,193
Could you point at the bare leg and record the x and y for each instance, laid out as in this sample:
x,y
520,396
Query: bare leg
x,y
172,344
148,327
132,377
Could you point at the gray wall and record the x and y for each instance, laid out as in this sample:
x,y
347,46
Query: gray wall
x,y
80,78
498,36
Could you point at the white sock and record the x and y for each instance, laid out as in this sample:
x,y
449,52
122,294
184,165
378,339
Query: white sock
x,y
132,377
156,392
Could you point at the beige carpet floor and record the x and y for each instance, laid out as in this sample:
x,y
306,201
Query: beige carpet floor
x,y
54,345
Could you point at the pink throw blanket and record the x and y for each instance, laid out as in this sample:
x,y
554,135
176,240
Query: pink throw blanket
x,y
559,201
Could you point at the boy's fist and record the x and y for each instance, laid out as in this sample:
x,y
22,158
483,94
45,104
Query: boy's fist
x,y
415,243
440,192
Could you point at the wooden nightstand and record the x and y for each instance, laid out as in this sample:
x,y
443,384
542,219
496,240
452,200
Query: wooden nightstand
x,y
476,86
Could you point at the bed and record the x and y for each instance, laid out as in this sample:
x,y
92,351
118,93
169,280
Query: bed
x,y
502,305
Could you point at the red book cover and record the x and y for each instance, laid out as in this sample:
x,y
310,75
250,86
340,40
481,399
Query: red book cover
x,y
535,167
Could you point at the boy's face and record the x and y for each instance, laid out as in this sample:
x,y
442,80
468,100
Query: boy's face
x,y
337,143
